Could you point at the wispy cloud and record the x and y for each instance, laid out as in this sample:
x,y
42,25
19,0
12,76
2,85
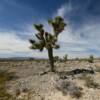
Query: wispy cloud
x,y
83,40
11,45
11,42
64,9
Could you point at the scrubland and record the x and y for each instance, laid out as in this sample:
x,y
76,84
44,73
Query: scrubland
x,y
32,80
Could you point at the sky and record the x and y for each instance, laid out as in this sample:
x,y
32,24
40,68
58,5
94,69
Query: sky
x,y
80,38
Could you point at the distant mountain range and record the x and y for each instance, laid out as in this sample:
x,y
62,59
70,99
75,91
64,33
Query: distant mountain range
x,y
20,58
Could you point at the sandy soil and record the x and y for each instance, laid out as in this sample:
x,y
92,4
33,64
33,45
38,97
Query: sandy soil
x,y
34,86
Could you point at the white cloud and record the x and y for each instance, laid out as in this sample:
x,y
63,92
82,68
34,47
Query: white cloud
x,y
64,9
11,46
76,44
68,37
11,42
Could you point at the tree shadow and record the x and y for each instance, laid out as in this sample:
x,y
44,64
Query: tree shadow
x,y
72,72
64,74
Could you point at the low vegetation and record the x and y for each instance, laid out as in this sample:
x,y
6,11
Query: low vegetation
x,y
91,59
65,58
89,82
68,87
4,76
73,79
56,58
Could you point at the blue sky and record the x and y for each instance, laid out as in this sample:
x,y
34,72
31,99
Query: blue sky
x,y
80,38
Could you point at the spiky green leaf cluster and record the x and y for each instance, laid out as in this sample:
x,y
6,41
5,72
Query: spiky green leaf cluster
x,y
57,24
47,40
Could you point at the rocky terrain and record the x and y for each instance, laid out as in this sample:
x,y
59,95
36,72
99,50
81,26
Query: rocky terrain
x,y
31,80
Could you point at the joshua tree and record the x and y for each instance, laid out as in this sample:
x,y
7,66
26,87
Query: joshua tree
x,y
48,40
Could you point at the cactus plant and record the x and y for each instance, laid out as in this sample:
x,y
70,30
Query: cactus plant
x,y
48,40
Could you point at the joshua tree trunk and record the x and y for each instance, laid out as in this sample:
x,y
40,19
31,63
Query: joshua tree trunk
x,y
51,60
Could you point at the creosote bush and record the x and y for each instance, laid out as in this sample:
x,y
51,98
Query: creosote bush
x,y
48,40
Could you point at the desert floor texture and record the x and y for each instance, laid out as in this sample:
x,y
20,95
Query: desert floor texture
x,y
31,80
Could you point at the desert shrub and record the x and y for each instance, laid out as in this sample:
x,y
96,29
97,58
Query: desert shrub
x,y
91,59
89,82
77,93
77,59
97,69
22,92
56,58
4,95
65,58
68,87
17,92
61,60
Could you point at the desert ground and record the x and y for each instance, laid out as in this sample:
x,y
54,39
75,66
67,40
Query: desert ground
x,y
32,80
